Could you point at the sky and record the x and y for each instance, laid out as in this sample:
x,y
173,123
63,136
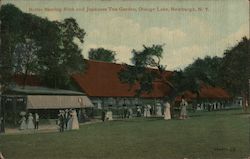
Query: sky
x,y
189,29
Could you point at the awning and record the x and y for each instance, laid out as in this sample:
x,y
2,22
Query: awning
x,y
57,101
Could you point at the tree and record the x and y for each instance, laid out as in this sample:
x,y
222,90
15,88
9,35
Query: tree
x,y
62,57
102,54
10,36
205,69
200,71
150,57
25,59
235,68
140,72
57,53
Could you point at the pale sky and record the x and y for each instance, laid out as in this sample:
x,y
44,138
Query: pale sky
x,y
186,32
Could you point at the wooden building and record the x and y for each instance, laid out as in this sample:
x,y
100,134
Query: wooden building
x,y
102,85
45,101
208,97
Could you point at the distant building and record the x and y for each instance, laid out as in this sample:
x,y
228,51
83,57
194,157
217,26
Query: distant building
x,y
102,85
208,97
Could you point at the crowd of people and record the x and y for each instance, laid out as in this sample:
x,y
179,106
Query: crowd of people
x,y
32,122
68,120
147,111
210,106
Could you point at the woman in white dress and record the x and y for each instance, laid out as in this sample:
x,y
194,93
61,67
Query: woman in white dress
x,y
167,112
183,106
158,109
23,125
148,110
30,123
75,123
145,111
130,110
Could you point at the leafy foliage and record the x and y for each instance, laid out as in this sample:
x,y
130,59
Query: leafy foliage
x,y
10,36
235,68
200,71
139,72
230,72
191,78
205,69
57,54
65,56
25,58
101,54
149,57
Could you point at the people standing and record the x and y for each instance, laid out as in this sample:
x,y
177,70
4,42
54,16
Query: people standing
x,y
130,112
36,121
69,124
125,111
1,155
61,120
2,125
183,105
103,115
145,111
138,111
66,118
23,125
158,109
167,112
149,110
30,123
109,115
75,123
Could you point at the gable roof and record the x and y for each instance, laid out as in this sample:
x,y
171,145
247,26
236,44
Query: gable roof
x,y
101,80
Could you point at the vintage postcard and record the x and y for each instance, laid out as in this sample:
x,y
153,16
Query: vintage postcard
x,y
124,79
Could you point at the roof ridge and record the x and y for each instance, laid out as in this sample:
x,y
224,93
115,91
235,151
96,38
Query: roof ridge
x,y
96,61
120,64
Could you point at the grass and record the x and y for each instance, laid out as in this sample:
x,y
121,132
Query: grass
x,y
206,135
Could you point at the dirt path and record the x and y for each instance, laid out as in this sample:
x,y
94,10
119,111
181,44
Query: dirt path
x,y
42,128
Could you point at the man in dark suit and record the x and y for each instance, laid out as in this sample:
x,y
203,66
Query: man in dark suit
x,y
103,115
61,120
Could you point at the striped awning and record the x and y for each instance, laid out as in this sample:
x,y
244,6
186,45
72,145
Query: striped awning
x,y
57,101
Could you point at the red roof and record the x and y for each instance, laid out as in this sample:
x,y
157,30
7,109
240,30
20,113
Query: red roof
x,y
206,92
213,92
189,96
101,80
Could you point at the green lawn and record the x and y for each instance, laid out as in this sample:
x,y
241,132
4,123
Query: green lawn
x,y
205,135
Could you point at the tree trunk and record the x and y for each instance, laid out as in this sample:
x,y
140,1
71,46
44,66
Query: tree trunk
x,y
25,78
